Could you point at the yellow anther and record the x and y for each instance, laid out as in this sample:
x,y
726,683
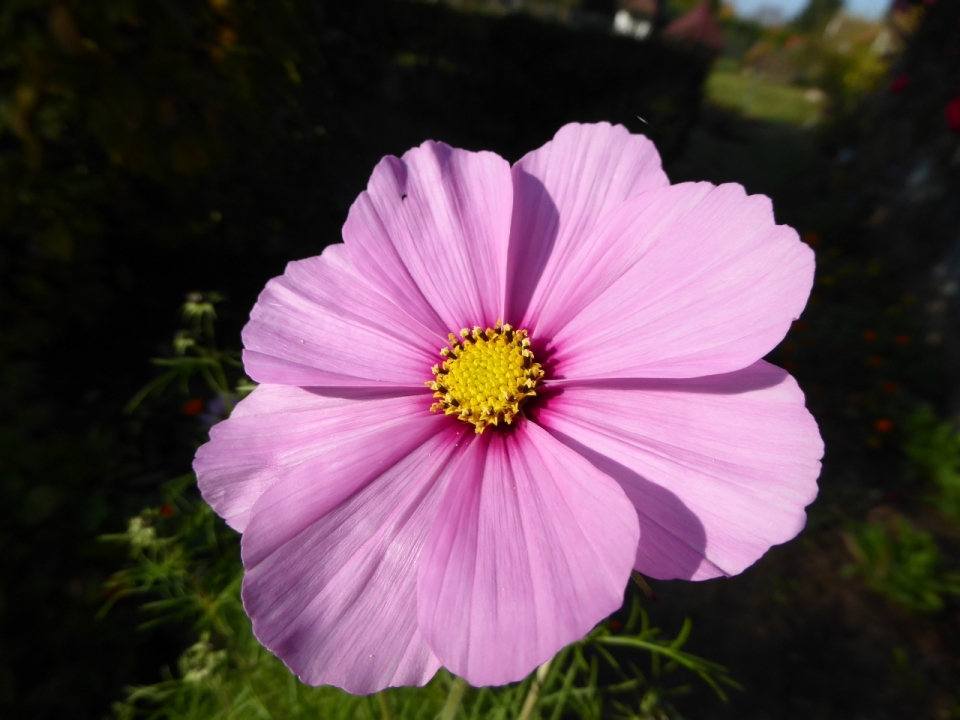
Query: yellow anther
x,y
485,375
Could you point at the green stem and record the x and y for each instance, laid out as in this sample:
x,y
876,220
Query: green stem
x,y
530,702
453,699
384,706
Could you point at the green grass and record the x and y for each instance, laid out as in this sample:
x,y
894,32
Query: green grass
x,y
760,99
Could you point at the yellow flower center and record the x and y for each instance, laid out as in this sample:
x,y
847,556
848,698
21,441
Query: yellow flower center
x,y
485,375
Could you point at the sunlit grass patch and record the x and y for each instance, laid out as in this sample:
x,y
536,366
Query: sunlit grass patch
x,y
756,98
902,563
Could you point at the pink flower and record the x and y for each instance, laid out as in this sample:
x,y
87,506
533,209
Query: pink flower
x,y
384,535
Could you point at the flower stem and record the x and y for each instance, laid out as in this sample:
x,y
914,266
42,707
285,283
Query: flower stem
x,y
453,699
533,694
384,706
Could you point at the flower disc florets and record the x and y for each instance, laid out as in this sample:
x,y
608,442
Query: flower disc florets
x,y
485,375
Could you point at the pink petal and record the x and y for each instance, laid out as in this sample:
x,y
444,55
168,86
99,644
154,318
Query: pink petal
x,y
719,468
531,547
562,191
710,287
432,230
288,433
322,324
332,590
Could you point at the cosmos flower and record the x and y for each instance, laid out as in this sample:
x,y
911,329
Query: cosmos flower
x,y
505,390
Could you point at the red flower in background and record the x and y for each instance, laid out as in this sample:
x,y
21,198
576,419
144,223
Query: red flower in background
x,y
900,83
192,407
952,113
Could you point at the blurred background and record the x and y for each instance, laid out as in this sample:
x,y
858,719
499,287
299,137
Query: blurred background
x,y
160,160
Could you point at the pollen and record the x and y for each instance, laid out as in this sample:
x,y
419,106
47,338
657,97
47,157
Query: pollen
x,y
485,376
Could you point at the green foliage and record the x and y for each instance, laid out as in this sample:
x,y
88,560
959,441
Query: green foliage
x,y
184,558
740,35
195,354
901,563
754,97
825,50
815,16
848,74
677,8
115,72
933,447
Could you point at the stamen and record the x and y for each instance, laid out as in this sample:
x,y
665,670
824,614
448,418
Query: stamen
x,y
485,375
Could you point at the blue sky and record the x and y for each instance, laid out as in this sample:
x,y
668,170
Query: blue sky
x,y
864,8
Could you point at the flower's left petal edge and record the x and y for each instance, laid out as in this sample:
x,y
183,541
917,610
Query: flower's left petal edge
x,y
321,324
289,433
332,592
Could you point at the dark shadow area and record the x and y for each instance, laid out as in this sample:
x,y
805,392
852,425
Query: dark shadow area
x,y
686,542
154,149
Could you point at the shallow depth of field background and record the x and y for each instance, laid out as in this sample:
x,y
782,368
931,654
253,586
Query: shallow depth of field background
x,y
159,153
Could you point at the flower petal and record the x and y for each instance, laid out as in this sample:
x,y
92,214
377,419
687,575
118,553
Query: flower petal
x,y
710,286
532,546
719,468
561,192
332,590
288,433
321,324
432,231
